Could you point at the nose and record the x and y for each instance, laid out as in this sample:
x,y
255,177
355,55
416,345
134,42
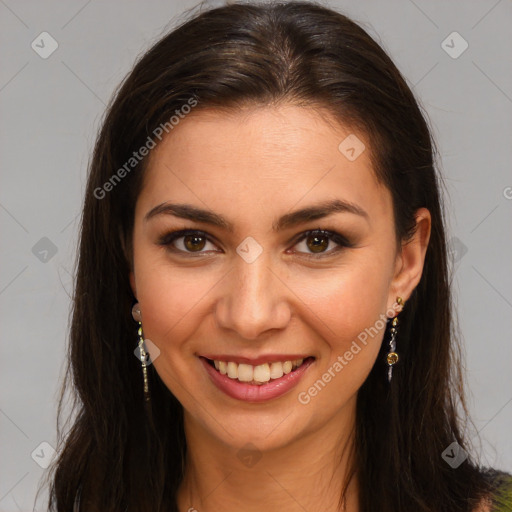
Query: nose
x,y
254,301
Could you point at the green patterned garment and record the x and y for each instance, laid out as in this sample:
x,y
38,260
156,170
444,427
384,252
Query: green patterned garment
x,y
502,494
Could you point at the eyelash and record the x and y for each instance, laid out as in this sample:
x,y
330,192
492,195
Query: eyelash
x,y
168,238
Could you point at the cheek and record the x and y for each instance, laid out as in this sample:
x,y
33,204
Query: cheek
x,y
175,305
347,300
340,374
170,301
347,313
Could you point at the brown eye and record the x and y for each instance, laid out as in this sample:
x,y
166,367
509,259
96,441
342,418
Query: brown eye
x,y
317,243
187,242
194,242
314,243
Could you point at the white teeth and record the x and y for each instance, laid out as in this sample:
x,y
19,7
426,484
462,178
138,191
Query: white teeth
x,y
232,370
276,370
262,373
245,372
256,374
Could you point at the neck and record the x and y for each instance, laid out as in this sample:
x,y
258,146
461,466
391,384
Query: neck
x,y
308,473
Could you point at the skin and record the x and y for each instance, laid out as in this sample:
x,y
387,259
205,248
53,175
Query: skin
x,y
253,167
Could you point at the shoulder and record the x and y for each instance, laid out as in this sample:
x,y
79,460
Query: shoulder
x,y
500,498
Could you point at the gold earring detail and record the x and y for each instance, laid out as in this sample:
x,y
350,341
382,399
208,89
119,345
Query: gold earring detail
x,y
140,351
392,357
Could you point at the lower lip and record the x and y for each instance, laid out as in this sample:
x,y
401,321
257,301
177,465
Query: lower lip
x,y
254,392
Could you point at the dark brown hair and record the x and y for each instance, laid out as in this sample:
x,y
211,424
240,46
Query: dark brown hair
x,y
118,456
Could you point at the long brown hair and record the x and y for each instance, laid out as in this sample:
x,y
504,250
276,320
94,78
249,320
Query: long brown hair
x,y
119,456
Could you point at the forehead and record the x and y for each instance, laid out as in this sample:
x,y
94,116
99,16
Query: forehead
x,y
270,158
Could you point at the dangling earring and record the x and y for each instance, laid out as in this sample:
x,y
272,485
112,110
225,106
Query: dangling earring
x,y
142,351
392,357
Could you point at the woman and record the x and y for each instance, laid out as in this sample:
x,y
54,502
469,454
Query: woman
x,y
263,229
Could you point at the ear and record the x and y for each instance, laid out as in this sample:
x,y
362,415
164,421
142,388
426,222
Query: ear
x,y
411,258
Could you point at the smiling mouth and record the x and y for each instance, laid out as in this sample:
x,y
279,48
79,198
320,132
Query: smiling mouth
x,y
257,375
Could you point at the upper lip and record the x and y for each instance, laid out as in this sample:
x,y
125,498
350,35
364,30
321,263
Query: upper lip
x,y
255,361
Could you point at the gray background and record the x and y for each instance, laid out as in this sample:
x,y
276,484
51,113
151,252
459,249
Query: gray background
x,y
50,112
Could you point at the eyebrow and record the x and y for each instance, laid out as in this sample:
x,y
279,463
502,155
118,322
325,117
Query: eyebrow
x,y
314,212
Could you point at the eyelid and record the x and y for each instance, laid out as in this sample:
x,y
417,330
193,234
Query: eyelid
x,y
342,242
168,238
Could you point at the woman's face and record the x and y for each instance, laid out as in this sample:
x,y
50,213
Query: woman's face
x,y
247,285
